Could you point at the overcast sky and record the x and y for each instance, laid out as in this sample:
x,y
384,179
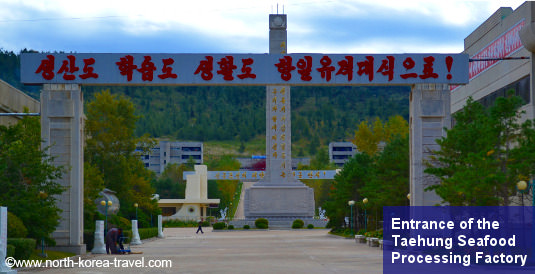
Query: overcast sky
x,y
241,26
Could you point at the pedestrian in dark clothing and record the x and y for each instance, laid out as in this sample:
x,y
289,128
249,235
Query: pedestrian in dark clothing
x,y
111,240
200,228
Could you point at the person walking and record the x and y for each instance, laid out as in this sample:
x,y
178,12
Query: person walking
x,y
200,228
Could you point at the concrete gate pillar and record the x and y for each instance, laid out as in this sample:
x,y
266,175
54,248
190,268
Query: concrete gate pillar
x,y
430,113
62,128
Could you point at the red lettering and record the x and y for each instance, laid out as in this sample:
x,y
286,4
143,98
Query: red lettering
x,y
305,68
227,68
326,68
147,69
409,64
285,68
68,67
428,68
167,71
46,68
366,67
88,69
206,67
346,67
126,66
246,69
387,67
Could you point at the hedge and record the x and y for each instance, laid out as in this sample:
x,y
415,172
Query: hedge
x,y
23,247
10,251
145,233
219,226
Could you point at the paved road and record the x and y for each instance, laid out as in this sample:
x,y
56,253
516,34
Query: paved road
x,y
273,251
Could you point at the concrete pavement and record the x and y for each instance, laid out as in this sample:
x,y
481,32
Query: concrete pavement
x,y
273,251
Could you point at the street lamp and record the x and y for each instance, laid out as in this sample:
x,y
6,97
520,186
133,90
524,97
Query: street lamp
x,y
525,186
106,204
351,204
365,201
136,205
42,196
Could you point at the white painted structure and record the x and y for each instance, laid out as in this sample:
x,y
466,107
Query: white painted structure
x,y
3,242
194,205
99,247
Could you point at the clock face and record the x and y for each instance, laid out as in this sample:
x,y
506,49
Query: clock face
x,y
278,22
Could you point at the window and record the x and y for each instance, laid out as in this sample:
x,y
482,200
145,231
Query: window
x,y
191,149
198,157
342,149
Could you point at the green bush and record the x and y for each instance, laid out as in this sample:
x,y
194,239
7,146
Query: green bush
x,y
298,224
146,233
219,226
10,251
310,226
15,227
119,222
230,227
246,227
89,239
180,223
23,247
261,223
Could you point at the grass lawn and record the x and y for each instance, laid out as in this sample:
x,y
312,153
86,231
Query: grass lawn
x,y
52,255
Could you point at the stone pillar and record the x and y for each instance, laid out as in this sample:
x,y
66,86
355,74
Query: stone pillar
x,y
99,247
136,240
3,242
430,113
278,194
160,227
62,128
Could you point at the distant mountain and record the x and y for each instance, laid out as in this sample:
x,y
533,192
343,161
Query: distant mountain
x,y
319,114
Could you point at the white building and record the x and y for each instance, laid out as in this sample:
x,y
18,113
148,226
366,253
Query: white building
x,y
167,152
341,152
508,35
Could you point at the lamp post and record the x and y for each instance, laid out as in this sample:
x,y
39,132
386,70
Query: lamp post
x,y
42,196
365,201
351,204
525,186
409,198
106,204
136,206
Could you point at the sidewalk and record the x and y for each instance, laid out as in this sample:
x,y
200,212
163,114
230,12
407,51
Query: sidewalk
x,y
273,251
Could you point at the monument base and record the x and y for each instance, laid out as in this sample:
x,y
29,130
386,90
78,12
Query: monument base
x,y
276,201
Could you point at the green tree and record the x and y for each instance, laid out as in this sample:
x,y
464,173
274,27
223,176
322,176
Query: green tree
x,y
390,183
356,172
28,178
226,188
368,136
484,154
111,149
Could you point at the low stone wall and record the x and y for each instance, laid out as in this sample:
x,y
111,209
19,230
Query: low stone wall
x,y
279,223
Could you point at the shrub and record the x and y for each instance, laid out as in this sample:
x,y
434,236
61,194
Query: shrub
x,y
145,233
246,227
298,224
118,221
261,223
219,226
23,247
310,226
230,227
15,227
180,223
10,251
89,239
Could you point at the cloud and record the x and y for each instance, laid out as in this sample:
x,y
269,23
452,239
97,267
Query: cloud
x,y
330,26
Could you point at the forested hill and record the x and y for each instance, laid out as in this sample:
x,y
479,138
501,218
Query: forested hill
x,y
319,114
